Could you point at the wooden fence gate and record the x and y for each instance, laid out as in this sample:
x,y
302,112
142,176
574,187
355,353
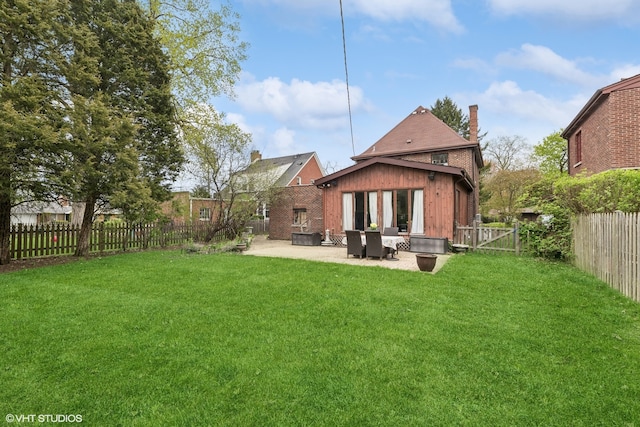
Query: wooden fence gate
x,y
488,239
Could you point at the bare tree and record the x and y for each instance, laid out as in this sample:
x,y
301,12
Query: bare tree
x,y
508,152
219,160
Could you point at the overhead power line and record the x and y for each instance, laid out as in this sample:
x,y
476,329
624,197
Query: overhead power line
x,y
346,73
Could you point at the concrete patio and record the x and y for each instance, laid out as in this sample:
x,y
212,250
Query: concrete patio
x,y
261,246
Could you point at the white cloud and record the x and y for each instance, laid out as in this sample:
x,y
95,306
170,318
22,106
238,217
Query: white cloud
x,y
509,99
438,13
283,141
546,61
624,72
584,10
304,104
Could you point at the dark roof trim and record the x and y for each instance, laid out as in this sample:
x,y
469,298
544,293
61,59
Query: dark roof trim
x,y
403,153
599,96
449,170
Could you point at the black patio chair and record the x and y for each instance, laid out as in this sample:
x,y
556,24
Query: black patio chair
x,y
375,248
390,231
354,244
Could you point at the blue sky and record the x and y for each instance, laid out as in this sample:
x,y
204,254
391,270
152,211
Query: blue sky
x,y
529,65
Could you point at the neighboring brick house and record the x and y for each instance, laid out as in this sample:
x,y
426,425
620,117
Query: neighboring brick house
x,y
182,208
298,204
606,132
421,177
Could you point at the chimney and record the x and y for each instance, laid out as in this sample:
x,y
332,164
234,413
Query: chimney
x,y
255,155
473,123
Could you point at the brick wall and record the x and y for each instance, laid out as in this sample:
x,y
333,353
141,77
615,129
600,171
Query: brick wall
x,y
610,135
307,197
595,136
461,158
625,128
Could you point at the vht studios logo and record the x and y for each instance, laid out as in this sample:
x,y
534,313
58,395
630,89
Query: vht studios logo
x,y
43,418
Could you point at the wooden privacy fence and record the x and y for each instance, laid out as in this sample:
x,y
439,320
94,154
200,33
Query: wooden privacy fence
x,y
61,239
608,246
488,239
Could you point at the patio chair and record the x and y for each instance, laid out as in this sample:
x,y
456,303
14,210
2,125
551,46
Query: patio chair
x,y
375,248
354,244
390,231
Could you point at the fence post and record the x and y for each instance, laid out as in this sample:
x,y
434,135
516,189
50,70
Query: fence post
x,y
474,235
516,236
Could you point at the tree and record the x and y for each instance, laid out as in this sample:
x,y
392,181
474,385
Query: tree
x,y
551,154
447,111
219,156
205,55
507,152
122,150
29,114
506,188
203,47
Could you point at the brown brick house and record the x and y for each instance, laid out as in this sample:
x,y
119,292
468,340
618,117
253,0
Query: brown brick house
x,y
605,134
421,177
298,203
183,208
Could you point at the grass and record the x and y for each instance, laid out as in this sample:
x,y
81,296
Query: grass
x,y
165,338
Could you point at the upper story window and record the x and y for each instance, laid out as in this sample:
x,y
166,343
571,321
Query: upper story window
x,y
579,146
440,159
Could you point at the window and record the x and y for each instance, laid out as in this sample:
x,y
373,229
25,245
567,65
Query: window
x,y
579,147
402,210
399,208
205,214
440,159
299,216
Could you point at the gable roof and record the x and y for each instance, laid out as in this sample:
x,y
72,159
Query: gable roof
x,y
449,170
599,96
420,132
284,169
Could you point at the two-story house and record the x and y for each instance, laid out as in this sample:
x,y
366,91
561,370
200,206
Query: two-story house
x,y
605,134
421,177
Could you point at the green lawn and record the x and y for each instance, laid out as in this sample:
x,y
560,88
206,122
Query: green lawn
x,y
165,338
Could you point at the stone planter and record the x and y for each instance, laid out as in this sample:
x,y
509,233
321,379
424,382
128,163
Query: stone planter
x,y
426,262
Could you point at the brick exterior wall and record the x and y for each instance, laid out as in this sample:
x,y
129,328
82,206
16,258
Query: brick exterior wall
x,y
181,204
610,135
461,158
625,128
307,197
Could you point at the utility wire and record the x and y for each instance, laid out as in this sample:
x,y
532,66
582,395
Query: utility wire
x,y
346,73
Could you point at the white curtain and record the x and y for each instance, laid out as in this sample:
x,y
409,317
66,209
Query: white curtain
x,y
373,207
387,208
417,220
347,211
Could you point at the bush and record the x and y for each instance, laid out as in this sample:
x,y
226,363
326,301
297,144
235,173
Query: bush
x,y
560,199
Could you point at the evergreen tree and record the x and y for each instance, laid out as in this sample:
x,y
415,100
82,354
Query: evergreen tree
x,y
122,150
30,115
447,111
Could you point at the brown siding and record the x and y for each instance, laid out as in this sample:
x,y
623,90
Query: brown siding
x,y
438,195
462,158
